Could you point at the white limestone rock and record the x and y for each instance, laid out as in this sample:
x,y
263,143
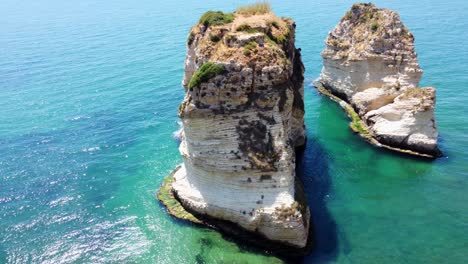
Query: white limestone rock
x,y
408,122
241,127
370,61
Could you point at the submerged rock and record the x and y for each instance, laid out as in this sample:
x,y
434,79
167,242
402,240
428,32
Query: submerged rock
x,y
243,117
370,62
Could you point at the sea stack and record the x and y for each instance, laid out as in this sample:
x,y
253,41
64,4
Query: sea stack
x,y
243,118
370,66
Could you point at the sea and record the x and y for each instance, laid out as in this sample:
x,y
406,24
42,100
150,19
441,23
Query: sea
x,y
89,92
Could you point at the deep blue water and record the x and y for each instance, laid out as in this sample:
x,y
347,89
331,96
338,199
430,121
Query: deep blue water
x,y
88,97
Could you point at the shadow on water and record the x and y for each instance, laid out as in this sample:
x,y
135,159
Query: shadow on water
x,y
205,244
312,168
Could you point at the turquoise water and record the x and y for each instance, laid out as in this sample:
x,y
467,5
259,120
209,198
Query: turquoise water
x,y
89,93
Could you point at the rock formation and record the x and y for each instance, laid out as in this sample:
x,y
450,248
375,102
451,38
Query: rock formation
x,y
243,117
370,63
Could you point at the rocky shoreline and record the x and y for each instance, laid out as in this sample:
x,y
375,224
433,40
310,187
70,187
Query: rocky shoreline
x,y
360,127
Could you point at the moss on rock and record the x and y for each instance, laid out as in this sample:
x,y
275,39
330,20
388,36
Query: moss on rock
x,y
173,206
246,28
190,38
213,18
358,125
207,71
249,48
279,37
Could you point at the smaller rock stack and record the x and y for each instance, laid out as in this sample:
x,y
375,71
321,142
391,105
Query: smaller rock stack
x,y
370,64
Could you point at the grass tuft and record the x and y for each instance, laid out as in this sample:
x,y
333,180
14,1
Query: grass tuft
x,y
207,71
212,18
255,9
246,28
249,48
281,39
275,24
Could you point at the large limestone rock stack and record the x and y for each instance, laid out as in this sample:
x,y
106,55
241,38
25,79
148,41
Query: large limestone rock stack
x,y
370,62
242,120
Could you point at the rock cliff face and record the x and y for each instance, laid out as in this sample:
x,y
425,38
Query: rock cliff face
x,y
370,62
243,117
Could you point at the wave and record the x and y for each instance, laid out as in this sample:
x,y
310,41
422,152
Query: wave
x,y
92,149
178,134
79,117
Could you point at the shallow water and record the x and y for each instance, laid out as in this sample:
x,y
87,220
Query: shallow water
x,y
89,94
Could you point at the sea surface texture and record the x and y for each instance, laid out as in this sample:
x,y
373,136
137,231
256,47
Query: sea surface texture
x,y
89,92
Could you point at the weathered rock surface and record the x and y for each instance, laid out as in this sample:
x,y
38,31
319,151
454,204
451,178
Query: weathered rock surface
x,y
243,117
370,62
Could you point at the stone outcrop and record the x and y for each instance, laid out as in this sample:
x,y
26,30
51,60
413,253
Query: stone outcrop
x,y
370,62
243,117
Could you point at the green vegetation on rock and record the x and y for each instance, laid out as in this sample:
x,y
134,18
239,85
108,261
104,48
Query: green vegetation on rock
x,y
357,125
212,18
363,13
249,48
246,28
207,71
348,15
174,207
214,38
279,39
275,24
213,238
190,38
